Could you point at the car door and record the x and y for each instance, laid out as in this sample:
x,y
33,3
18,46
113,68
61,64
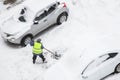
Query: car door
x,y
40,22
51,11
99,67
108,65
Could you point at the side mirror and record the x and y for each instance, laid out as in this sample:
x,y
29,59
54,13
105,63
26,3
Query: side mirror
x,y
35,22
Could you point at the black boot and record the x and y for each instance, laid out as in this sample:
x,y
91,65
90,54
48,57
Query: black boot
x,y
33,61
43,60
42,57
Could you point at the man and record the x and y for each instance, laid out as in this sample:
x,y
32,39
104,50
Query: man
x,y
37,50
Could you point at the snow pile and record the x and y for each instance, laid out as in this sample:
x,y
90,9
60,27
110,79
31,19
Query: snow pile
x,y
2,7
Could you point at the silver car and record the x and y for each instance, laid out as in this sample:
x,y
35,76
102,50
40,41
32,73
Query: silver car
x,y
29,20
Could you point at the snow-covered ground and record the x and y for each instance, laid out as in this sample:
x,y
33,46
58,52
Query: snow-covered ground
x,y
91,30
2,7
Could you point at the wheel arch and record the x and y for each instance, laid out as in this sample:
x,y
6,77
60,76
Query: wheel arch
x,y
25,37
115,71
65,12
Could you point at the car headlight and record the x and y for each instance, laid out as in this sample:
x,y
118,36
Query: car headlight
x,y
12,39
11,36
84,77
8,35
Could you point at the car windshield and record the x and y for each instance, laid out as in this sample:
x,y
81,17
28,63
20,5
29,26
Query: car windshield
x,y
99,61
25,15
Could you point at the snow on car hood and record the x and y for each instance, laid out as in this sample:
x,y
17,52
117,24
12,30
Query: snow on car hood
x,y
12,26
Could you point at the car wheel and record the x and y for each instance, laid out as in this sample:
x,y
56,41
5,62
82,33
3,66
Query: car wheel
x,y
62,18
26,40
117,69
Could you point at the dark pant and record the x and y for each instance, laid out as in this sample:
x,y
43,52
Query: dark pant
x,y
40,55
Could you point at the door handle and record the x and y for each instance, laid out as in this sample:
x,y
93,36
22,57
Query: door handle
x,y
45,20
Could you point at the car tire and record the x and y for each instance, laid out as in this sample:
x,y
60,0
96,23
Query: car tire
x,y
117,68
62,18
26,40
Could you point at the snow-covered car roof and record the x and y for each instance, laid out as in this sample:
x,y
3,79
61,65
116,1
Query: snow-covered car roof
x,y
36,5
32,5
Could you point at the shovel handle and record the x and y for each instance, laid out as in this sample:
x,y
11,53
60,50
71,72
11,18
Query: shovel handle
x,y
54,54
48,50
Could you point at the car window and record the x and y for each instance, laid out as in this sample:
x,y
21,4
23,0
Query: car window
x,y
51,8
22,19
99,61
25,14
40,15
23,11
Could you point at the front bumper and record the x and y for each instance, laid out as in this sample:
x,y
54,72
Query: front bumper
x,y
10,39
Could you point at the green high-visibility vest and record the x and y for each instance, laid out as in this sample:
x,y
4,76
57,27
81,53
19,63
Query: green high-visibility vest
x,y
37,48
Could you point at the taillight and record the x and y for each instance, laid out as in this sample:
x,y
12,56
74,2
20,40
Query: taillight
x,y
64,4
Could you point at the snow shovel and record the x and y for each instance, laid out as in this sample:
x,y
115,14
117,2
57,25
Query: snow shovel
x,y
54,55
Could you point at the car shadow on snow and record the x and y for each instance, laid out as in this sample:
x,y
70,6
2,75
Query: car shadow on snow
x,y
12,45
112,74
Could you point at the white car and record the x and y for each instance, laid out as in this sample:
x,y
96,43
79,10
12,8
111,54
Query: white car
x,y
30,19
102,66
